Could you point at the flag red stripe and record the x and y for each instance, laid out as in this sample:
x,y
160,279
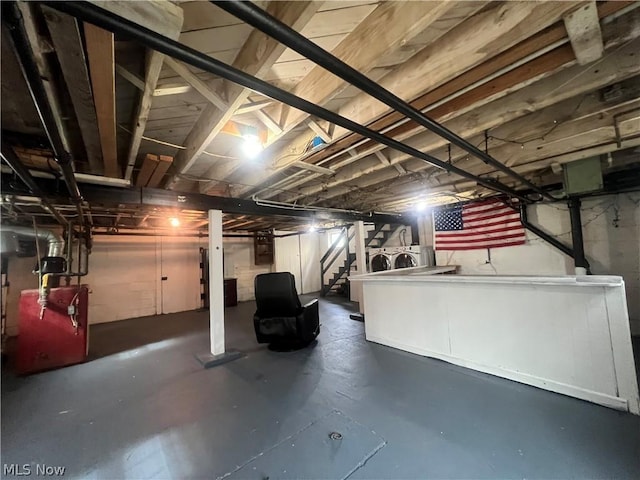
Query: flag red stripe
x,y
464,233
487,217
480,240
498,245
474,211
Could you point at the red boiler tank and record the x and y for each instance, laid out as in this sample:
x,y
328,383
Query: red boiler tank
x,y
57,339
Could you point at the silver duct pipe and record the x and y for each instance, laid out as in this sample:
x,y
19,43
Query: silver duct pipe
x,y
55,241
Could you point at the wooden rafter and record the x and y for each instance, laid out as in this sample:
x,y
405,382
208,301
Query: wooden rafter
x,y
257,55
67,41
161,16
472,42
583,27
409,19
101,58
577,80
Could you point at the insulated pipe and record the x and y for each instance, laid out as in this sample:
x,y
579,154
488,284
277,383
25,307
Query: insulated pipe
x,y
54,240
20,43
581,263
114,23
10,157
263,21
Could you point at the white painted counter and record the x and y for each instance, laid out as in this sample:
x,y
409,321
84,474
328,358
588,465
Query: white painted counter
x,y
565,334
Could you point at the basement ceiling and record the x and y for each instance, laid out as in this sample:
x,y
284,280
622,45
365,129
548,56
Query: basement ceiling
x,y
534,84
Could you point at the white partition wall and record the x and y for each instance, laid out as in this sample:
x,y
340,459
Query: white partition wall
x,y
565,334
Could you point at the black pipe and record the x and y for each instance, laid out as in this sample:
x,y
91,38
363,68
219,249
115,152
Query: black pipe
x,y
20,43
544,235
260,19
576,234
11,159
108,21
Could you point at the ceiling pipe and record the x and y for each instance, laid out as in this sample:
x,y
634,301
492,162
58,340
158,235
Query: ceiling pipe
x,y
82,178
12,17
114,23
263,21
54,241
11,159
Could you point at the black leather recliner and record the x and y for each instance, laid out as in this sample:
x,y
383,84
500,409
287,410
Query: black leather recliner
x,y
280,318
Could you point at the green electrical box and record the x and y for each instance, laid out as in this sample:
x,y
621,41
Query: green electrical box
x,y
583,176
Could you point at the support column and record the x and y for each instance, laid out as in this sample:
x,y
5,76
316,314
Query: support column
x,y
580,261
218,355
216,283
361,261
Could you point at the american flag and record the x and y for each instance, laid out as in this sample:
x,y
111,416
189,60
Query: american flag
x,y
477,225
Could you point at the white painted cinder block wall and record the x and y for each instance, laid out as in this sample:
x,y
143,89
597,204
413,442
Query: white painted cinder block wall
x,y
611,230
125,274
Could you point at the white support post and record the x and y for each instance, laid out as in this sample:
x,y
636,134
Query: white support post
x,y
218,354
361,263
216,283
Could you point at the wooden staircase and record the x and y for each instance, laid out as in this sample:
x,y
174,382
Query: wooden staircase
x,y
339,282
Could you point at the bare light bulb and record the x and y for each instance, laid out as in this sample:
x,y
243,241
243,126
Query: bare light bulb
x,y
175,222
252,146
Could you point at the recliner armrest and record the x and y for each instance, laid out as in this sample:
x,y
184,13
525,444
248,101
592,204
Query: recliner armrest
x,y
310,303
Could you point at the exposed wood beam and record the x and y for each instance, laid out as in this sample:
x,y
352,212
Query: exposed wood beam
x,y
256,57
409,19
101,57
511,59
161,16
476,40
577,80
132,78
40,49
269,122
67,41
149,165
617,32
160,171
583,27
192,79
313,168
324,135
171,90
253,106
386,162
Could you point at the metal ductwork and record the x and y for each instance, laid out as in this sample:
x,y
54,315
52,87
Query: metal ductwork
x,y
10,233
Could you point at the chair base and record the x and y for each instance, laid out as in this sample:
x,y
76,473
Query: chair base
x,y
209,360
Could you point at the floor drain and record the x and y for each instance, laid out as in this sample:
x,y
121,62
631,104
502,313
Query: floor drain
x,y
335,436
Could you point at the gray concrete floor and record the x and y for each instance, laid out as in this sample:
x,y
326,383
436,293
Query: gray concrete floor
x,y
144,408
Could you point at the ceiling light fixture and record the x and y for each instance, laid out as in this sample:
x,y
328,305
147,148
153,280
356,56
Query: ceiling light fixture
x,y
252,146
422,206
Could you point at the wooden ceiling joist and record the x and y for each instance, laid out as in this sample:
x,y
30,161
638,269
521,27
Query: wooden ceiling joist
x,y
257,55
319,86
474,99
578,80
165,18
479,38
583,27
65,35
511,59
101,58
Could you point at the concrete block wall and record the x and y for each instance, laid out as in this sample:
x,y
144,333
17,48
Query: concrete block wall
x,y
239,263
611,231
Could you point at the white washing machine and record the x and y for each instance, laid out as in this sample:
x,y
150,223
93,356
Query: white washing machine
x,y
381,259
413,256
